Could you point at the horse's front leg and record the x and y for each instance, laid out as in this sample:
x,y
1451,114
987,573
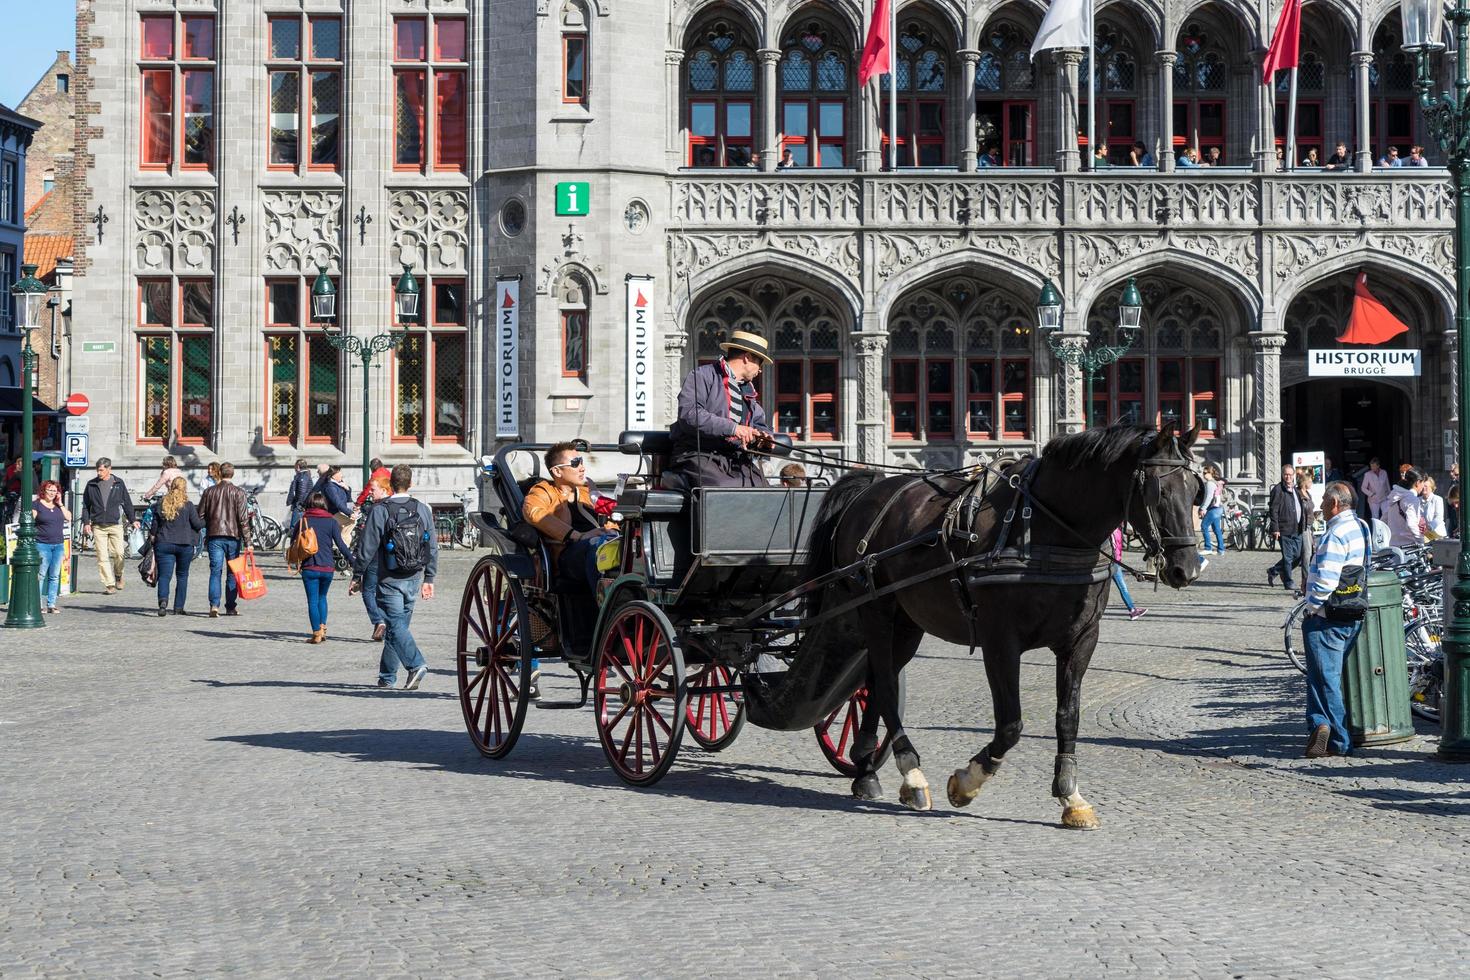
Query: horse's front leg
x,y
1071,665
1003,672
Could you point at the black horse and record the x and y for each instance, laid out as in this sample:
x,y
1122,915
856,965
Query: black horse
x,y
1051,517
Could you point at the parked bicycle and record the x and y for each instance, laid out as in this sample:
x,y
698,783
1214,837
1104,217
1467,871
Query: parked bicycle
x,y
457,530
266,532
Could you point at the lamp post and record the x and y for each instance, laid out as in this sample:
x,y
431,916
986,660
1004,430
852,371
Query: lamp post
x,y
1082,353
1447,118
25,564
324,309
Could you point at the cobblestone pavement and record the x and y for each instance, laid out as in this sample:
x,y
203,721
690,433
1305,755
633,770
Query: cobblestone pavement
x,y
192,796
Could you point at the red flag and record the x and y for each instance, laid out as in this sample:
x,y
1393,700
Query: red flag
x,y
1370,321
1285,43
877,56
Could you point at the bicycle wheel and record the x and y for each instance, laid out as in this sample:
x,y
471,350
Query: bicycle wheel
x,y
270,533
1291,637
1425,657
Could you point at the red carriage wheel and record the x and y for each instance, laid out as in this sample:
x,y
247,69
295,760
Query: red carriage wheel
x,y
638,693
837,734
494,657
715,718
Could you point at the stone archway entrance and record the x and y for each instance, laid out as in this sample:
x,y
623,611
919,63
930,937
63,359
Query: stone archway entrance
x,y
1350,419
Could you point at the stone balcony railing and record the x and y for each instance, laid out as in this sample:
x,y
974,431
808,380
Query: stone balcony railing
x,y
1401,200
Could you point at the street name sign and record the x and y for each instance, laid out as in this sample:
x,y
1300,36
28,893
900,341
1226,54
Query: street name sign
x,y
572,198
99,347
1334,363
75,451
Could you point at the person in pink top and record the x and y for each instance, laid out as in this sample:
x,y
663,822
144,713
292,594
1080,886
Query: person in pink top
x,y
1133,611
1375,487
166,476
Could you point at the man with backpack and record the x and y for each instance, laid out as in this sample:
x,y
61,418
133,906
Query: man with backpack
x,y
399,541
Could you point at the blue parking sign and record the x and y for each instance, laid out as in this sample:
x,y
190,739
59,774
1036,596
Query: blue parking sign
x,y
75,449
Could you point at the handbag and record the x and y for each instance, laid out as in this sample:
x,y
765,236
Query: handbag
x,y
249,580
303,546
1348,603
148,566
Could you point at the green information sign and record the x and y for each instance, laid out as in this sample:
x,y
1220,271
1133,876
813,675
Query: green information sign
x,y
572,198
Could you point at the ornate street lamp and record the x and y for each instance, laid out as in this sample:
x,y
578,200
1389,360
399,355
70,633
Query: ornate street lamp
x,y
1448,120
324,310
1081,352
25,564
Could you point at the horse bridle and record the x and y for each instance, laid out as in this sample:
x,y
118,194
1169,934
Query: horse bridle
x,y
1150,488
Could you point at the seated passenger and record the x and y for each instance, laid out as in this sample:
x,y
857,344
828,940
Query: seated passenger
x,y
561,510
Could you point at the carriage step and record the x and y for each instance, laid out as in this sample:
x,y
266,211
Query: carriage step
x,y
558,705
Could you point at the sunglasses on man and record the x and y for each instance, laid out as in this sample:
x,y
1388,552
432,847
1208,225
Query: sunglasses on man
x,y
573,462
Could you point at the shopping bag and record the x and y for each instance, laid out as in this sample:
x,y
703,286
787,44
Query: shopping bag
x,y
249,581
136,539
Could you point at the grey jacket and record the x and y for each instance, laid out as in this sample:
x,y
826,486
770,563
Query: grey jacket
x,y
375,531
704,422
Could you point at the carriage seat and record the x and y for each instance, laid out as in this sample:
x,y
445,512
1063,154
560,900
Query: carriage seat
x,y
651,442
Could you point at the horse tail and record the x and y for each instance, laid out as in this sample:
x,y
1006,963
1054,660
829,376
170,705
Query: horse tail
x,y
822,557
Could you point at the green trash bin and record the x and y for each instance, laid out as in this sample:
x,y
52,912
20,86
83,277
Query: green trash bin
x,y
1375,677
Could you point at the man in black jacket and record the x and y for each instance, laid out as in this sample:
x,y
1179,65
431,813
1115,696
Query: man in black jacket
x,y
106,507
297,494
1290,514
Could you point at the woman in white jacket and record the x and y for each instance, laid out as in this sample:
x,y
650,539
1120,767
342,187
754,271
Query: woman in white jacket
x,y
1403,511
1433,508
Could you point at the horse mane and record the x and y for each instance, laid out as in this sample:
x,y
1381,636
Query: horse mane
x,y
1097,447
822,556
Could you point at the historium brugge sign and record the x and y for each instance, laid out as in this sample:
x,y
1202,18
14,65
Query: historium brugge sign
x,y
1363,363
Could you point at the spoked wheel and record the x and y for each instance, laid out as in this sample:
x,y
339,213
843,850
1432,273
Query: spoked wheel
x,y
715,718
270,533
839,732
494,658
1426,669
638,693
1291,637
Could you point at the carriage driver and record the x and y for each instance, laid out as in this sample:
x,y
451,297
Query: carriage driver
x,y
561,510
720,418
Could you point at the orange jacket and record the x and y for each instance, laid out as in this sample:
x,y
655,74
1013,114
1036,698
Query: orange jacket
x,y
548,508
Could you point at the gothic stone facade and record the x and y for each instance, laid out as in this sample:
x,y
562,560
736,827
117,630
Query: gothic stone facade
x,y
900,304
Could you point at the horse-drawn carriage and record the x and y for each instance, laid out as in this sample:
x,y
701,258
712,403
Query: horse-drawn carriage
x,y
688,637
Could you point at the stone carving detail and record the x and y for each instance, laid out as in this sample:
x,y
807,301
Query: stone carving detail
x,y
1295,254
691,254
571,255
1097,253
303,230
1230,201
430,229
174,230
897,252
1365,201
675,341
985,203
749,202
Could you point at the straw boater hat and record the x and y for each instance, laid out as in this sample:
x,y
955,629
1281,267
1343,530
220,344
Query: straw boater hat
x,y
750,343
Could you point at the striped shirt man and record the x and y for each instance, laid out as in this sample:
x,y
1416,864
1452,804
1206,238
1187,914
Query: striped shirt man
x,y
1343,543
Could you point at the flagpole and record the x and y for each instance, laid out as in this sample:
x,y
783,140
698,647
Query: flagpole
x,y
893,86
1091,86
1291,160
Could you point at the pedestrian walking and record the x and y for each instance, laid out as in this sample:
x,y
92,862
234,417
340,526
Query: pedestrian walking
x,y
12,490
107,511
176,526
1326,637
399,537
1304,483
1134,612
211,475
376,471
378,489
52,519
227,531
1403,511
1434,510
1212,511
1375,487
298,492
317,565
1288,516
168,472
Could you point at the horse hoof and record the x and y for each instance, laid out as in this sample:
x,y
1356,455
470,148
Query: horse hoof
x,y
867,788
1080,818
957,796
916,797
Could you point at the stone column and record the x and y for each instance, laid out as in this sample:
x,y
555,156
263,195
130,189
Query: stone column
x,y
1067,60
1264,152
675,340
674,150
872,418
971,59
1267,347
1164,154
1070,412
1364,151
770,152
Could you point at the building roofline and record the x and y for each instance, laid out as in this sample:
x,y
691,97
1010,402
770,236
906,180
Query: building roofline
x,y
62,55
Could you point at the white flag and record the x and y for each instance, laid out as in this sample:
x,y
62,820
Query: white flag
x,y
1067,24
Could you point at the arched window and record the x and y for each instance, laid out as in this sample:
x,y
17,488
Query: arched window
x,y
1391,91
814,83
572,299
800,389
960,364
1005,98
574,54
719,93
1116,89
923,72
1201,84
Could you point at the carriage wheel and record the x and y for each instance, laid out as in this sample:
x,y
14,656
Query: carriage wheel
x,y
639,693
494,675
715,719
836,735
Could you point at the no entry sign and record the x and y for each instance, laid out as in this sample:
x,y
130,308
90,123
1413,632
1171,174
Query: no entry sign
x,y
77,403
